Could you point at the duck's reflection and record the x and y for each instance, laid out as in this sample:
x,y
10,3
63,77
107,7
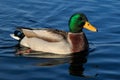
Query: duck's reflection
x,y
76,60
76,64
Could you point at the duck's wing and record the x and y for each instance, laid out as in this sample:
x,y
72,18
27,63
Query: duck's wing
x,y
50,35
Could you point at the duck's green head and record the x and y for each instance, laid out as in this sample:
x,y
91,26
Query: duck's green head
x,y
79,21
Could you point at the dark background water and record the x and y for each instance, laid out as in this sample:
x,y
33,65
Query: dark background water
x,y
103,61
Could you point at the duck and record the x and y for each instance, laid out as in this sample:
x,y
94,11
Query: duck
x,y
53,40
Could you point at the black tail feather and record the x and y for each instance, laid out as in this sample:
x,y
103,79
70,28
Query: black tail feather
x,y
19,34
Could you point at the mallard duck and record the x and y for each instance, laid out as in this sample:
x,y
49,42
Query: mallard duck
x,y
56,41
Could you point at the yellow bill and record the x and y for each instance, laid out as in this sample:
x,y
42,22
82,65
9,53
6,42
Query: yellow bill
x,y
89,27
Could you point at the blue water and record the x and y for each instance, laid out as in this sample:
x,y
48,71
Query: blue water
x,y
103,60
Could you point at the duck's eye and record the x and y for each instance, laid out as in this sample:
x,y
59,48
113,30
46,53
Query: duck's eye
x,y
80,18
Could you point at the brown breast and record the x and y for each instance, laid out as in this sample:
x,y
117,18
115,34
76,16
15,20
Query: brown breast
x,y
78,42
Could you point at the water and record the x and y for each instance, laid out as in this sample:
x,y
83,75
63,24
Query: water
x,y
102,62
